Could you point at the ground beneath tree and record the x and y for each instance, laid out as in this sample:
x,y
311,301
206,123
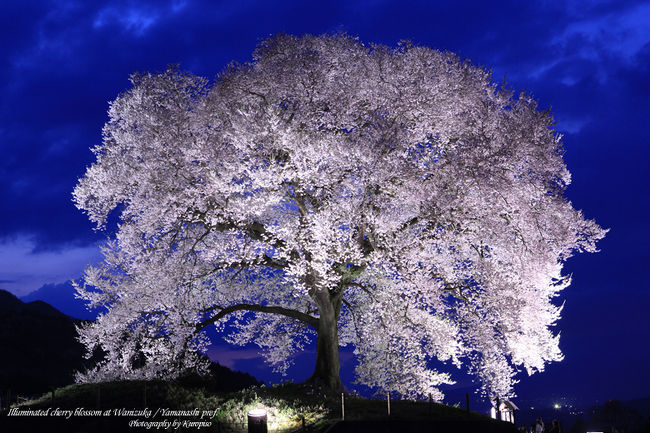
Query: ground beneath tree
x,y
419,426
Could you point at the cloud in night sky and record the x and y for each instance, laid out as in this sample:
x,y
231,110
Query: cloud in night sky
x,y
61,62
620,33
25,270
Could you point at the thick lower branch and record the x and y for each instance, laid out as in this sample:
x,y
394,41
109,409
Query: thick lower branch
x,y
294,314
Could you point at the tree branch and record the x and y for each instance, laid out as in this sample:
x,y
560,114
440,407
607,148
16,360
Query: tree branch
x,y
294,314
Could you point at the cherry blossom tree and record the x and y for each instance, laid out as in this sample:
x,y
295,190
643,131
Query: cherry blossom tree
x,y
392,199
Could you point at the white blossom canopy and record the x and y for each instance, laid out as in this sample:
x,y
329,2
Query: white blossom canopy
x,y
400,182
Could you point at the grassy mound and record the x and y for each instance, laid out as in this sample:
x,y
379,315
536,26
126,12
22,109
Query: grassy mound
x,y
286,405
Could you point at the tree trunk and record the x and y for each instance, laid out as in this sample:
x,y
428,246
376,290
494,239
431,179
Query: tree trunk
x,y
327,343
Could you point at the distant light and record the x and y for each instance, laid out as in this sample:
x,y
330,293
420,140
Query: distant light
x,y
557,406
257,412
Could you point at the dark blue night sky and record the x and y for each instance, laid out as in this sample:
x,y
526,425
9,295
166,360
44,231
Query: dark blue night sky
x,y
587,59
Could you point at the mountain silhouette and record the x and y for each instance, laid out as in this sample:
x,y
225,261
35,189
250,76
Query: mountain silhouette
x,y
38,347
39,352
62,297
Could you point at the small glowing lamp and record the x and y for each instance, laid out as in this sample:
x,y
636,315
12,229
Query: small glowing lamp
x,y
257,421
257,412
557,406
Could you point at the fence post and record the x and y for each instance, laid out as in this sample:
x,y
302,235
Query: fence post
x,y
467,400
99,401
388,400
342,407
144,394
498,408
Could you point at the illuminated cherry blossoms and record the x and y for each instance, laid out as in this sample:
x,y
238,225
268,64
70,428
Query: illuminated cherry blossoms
x,y
392,199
